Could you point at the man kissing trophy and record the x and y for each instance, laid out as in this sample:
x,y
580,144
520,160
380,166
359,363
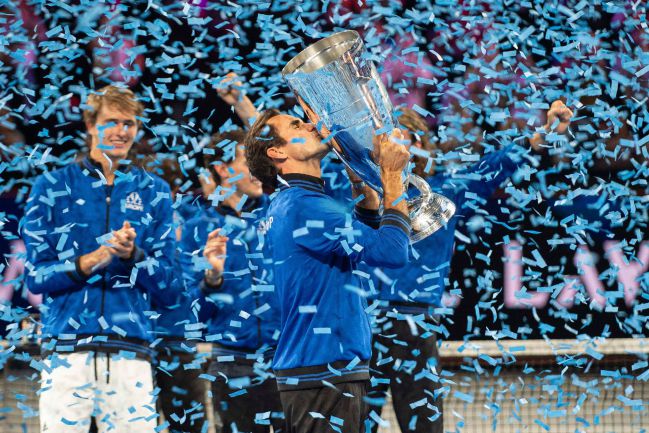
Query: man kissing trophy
x,y
342,94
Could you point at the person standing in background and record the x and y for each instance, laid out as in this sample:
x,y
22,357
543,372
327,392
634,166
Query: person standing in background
x,y
182,396
100,248
224,261
405,358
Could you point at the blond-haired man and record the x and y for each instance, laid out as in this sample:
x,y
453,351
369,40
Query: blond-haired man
x,y
99,247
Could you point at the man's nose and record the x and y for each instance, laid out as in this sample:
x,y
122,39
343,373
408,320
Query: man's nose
x,y
310,127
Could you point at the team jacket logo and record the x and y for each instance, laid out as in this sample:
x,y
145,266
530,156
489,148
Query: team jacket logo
x,y
265,225
134,202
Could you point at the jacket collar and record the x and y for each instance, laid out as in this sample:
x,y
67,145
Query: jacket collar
x,y
93,166
249,206
311,183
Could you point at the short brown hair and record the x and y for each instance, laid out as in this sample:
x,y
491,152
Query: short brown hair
x,y
259,139
217,152
417,126
114,96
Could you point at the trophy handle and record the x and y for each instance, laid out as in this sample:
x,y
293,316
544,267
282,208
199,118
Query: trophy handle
x,y
429,211
419,183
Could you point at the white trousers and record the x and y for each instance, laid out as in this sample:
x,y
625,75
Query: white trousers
x,y
117,391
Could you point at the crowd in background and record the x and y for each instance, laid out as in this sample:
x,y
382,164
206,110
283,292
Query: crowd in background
x,y
480,75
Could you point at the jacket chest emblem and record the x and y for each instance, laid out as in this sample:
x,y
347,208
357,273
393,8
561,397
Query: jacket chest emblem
x,y
134,202
265,225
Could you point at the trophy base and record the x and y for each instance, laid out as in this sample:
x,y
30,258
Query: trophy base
x,y
429,213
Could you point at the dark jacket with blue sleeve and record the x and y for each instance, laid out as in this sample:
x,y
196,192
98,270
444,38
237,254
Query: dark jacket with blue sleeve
x,y
418,287
71,212
242,314
315,246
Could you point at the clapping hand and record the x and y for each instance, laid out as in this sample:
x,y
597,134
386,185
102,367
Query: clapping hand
x,y
122,244
215,252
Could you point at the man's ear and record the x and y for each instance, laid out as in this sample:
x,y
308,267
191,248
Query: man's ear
x,y
90,131
276,153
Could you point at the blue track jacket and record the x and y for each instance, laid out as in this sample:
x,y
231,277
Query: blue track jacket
x,y
242,314
315,244
69,213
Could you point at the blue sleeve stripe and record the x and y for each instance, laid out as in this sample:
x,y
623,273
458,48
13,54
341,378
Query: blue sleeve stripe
x,y
397,213
397,219
394,221
403,227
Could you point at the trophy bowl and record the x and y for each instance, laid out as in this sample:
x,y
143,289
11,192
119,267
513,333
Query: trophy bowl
x,y
341,92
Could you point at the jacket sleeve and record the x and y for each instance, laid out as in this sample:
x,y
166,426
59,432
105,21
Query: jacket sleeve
x,y
153,266
487,175
324,229
47,268
368,217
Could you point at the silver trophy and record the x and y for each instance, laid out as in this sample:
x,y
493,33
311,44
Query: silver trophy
x,y
342,93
